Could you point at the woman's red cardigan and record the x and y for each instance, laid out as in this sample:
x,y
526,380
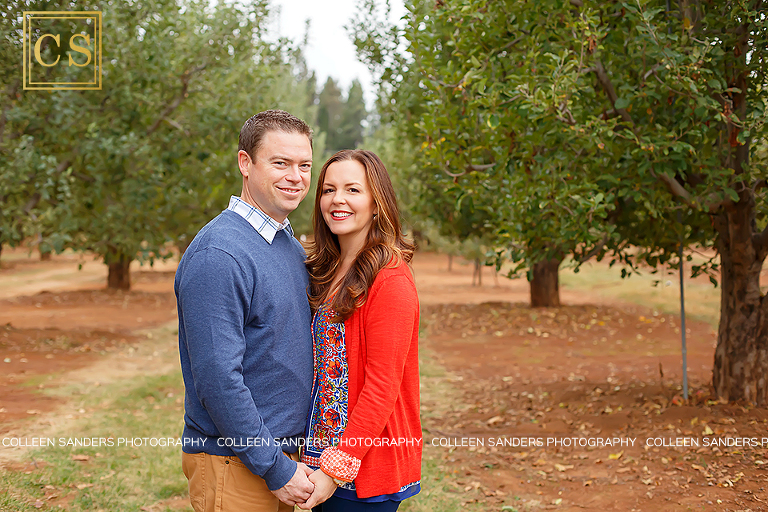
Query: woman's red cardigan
x,y
382,338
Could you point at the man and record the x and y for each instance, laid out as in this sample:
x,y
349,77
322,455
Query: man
x,y
244,332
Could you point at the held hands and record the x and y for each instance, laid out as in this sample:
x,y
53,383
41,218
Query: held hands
x,y
324,489
298,489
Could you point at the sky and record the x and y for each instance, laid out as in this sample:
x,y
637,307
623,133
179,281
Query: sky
x,y
330,51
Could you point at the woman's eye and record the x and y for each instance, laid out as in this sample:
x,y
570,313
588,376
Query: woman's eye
x,y
353,190
327,191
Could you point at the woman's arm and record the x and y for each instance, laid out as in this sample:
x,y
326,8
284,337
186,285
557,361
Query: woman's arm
x,y
389,328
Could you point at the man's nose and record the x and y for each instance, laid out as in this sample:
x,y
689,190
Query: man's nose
x,y
294,173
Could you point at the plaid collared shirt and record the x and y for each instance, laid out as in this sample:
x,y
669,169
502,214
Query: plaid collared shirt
x,y
265,225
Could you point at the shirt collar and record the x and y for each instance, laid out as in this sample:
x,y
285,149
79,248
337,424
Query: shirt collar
x,y
265,225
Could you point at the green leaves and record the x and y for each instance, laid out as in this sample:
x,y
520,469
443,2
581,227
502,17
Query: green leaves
x,y
602,123
144,163
621,103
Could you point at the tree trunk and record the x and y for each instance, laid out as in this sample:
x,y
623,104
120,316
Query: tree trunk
x,y
545,287
119,277
45,255
450,262
477,274
418,238
740,370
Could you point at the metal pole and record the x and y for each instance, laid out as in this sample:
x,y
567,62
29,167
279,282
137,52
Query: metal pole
x,y
682,309
682,281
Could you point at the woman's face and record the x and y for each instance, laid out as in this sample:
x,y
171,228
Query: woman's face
x,y
346,201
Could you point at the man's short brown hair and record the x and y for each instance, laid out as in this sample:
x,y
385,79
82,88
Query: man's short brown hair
x,y
256,127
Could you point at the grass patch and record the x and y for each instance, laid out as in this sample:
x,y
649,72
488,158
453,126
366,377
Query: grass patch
x,y
125,476
122,470
439,492
702,299
438,488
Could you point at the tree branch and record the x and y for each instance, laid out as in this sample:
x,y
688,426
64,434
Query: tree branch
x,y
455,174
469,168
63,166
485,64
176,125
169,109
185,78
650,72
760,243
478,168
515,41
710,204
595,250
675,188
84,177
32,202
605,81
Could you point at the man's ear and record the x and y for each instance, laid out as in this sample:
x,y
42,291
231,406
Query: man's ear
x,y
244,162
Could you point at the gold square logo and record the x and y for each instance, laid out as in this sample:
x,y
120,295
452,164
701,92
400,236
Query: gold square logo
x,y
62,50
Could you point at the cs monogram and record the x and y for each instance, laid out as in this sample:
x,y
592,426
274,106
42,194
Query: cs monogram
x,y
49,36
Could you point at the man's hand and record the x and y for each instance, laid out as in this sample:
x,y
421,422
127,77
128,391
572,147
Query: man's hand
x,y
298,489
324,489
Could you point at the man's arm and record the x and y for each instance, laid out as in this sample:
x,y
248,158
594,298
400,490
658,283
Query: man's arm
x,y
215,296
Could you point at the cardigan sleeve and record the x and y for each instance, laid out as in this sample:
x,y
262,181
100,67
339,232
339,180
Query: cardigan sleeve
x,y
389,326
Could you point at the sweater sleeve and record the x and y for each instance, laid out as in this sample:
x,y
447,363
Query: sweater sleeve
x,y
389,326
216,299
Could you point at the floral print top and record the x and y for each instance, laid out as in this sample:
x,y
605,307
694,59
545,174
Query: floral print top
x,y
328,414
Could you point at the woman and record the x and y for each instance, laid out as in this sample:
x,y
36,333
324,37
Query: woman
x,y
363,431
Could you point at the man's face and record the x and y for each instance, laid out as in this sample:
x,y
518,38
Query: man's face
x,y
278,178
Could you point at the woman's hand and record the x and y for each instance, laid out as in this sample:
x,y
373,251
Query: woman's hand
x,y
324,489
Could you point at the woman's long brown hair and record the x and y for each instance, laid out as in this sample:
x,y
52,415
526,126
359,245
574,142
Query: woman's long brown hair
x,y
385,244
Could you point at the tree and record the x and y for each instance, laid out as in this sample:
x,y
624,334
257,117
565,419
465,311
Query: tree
x,y
150,158
352,117
341,118
24,206
609,129
329,114
495,162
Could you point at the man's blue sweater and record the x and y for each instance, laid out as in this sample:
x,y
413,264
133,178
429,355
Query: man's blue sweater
x,y
245,344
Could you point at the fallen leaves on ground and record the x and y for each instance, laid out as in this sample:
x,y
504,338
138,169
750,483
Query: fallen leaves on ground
x,y
587,378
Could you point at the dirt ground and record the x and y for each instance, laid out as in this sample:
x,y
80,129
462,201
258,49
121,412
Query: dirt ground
x,y
526,383
63,319
542,388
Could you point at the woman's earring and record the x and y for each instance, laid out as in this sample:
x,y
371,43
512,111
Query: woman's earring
x,y
375,215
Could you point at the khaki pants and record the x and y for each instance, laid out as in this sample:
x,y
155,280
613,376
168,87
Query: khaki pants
x,y
225,484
